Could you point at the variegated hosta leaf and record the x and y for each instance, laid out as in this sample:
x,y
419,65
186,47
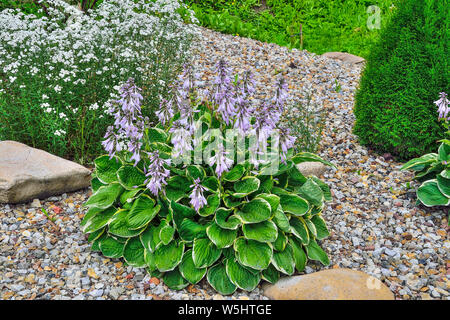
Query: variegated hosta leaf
x,y
196,172
189,230
321,227
443,185
98,220
255,211
252,253
265,231
105,196
299,229
174,280
142,212
325,188
281,220
272,199
111,247
235,173
271,274
130,177
315,252
119,225
205,253
177,188
166,234
213,202
419,163
133,253
222,238
168,257
181,212
226,220
312,192
219,280
280,243
430,195
245,186
291,203
298,254
284,261
310,157
243,277
444,152
106,169
188,269
150,238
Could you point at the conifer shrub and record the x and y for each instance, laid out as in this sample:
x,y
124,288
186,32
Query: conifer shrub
x,y
406,69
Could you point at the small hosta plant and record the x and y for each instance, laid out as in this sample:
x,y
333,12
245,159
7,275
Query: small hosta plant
x,y
433,169
208,192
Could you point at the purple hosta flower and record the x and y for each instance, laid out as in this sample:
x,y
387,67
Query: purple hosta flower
x,y
111,144
221,161
223,95
243,109
198,200
165,112
181,139
442,104
157,173
286,141
130,106
248,86
281,95
189,82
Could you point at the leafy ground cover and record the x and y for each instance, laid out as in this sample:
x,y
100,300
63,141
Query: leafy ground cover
x,y
326,25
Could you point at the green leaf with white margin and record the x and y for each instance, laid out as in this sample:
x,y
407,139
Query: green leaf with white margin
x,y
213,202
96,184
231,202
211,184
311,227
418,163
295,177
130,177
312,192
443,185
283,261
119,225
325,188
218,279
280,243
205,253
309,157
234,174
189,230
245,186
444,152
196,172
299,229
89,215
226,220
281,220
252,253
174,280
128,196
133,253
96,234
106,169
321,227
242,277
111,248
315,252
265,231
150,237
445,173
168,257
271,274
181,212
142,212
188,269
298,254
105,196
157,135
430,195
99,220
272,199
255,211
222,238
150,260
177,188
291,203
166,234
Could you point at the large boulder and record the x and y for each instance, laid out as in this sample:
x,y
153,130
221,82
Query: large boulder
x,y
332,284
27,173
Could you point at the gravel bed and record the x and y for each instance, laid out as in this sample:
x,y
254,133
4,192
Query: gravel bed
x,y
374,223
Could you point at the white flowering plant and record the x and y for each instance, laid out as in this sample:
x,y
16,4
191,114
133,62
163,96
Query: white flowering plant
x,y
59,71
212,191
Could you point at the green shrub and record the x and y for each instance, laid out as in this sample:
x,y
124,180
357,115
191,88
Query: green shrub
x,y
406,69
233,222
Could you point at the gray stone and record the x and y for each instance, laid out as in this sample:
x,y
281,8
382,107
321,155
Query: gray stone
x,y
27,173
343,56
311,168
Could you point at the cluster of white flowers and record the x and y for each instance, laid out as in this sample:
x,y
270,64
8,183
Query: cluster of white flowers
x,y
75,60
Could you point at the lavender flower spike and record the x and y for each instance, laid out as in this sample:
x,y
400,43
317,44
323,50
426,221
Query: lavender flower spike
x,y
221,161
198,200
287,142
157,173
442,104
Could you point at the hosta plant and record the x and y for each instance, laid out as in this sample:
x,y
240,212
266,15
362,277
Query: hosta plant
x,y
433,169
175,199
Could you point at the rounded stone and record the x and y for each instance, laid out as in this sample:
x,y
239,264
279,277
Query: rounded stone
x,y
311,168
332,284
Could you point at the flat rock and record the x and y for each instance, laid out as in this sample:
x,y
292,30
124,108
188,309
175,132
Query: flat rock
x,y
27,173
331,284
311,168
343,56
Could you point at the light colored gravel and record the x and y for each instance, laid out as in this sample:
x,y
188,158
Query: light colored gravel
x,y
374,223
